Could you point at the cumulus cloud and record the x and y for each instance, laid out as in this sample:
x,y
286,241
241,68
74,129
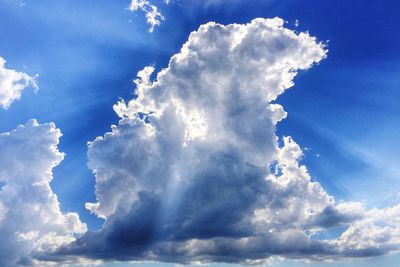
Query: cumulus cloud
x,y
12,83
152,13
30,218
376,234
194,172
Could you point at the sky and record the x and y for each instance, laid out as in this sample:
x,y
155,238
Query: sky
x,y
225,132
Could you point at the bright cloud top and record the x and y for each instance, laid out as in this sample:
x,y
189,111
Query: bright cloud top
x,y
30,218
12,83
153,15
193,172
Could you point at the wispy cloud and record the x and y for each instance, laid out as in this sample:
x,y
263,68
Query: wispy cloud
x,y
152,13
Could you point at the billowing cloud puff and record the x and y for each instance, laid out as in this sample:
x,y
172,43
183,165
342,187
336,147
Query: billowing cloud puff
x,y
194,172
12,83
376,234
30,218
152,13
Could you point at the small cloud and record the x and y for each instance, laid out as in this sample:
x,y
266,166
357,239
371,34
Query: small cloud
x,y
12,83
152,13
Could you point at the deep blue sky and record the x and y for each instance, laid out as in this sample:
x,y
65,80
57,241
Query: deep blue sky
x,y
344,111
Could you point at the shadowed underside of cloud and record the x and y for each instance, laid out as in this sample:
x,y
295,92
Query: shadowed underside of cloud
x,y
12,83
193,171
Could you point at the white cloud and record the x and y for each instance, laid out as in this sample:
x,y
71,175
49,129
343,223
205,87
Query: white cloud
x,y
152,13
214,96
30,218
189,158
12,83
193,171
378,231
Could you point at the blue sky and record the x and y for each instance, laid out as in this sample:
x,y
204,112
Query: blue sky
x,y
343,112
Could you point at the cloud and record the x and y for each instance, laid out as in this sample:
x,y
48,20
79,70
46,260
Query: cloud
x,y
152,13
30,218
376,234
12,83
193,171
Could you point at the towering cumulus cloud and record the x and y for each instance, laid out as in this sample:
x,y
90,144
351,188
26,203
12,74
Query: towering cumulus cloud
x,y
193,172
30,218
12,83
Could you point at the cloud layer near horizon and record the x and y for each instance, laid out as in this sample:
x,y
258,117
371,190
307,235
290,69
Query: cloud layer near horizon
x,y
193,171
